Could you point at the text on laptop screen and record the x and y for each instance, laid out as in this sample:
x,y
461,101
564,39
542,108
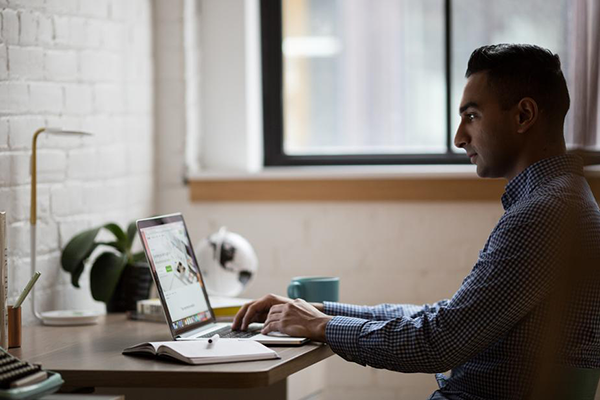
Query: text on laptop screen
x,y
171,258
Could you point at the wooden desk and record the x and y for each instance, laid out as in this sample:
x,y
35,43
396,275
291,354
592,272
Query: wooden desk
x,y
90,356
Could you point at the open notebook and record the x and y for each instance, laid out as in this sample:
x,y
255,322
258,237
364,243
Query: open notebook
x,y
202,352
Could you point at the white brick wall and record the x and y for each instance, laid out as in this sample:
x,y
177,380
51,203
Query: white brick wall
x,y
3,133
25,62
76,64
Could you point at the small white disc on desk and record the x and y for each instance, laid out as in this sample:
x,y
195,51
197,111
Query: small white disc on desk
x,y
71,317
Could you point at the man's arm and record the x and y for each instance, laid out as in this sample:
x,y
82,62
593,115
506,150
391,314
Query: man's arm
x,y
258,310
299,318
514,275
381,312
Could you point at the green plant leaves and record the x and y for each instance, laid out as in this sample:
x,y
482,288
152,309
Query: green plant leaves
x,y
131,231
107,268
105,275
76,252
120,235
140,256
77,273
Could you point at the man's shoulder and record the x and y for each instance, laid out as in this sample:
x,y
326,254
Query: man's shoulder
x,y
531,225
557,195
565,184
557,206
535,208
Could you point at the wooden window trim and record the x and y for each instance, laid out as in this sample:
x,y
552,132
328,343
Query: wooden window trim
x,y
386,189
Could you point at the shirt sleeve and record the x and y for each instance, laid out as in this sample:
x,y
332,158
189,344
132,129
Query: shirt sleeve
x,y
511,277
379,312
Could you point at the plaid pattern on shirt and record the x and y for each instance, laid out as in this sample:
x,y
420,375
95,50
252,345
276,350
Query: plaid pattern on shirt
x,y
491,330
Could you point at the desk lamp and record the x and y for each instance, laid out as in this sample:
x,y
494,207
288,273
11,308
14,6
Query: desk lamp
x,y
67,317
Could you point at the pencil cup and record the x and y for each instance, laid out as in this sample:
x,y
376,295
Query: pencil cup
x,y
14,327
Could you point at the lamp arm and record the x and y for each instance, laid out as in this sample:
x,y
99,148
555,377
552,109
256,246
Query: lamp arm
x,y
33,267
33,214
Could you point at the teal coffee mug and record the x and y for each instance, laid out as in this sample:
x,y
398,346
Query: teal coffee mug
x,y
315,288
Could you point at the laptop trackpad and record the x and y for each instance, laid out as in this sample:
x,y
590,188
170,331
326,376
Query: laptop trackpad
x,y
277,334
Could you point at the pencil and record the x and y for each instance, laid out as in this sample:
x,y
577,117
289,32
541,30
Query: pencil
x,y
27,289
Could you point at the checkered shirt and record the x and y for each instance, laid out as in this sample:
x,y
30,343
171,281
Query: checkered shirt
x,y
493,327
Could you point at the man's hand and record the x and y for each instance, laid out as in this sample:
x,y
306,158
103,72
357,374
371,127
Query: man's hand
x,y
310,316
256,311
297,318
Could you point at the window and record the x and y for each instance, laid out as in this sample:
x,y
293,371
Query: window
x,y
378,82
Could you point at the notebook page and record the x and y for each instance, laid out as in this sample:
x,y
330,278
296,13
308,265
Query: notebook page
x,y
223,349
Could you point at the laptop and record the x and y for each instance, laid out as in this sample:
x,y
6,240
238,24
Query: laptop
x,y
181,288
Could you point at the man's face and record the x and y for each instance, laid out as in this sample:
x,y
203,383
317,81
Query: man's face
x,y
486,131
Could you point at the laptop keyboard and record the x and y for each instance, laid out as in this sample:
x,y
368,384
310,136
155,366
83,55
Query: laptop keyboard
x,y
227,333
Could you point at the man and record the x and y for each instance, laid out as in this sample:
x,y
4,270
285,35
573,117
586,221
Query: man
x,y
532,300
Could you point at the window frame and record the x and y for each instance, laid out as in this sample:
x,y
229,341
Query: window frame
x,y
271,30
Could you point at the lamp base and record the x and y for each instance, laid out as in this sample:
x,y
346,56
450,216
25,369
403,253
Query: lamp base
x,y
70,317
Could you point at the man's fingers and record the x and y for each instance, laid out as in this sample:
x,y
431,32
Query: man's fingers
x,y
273,317
248,318
278,308
275,313
237,321
274,326
256,311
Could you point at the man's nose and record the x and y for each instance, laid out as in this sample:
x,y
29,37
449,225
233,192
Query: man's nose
x,y
461,139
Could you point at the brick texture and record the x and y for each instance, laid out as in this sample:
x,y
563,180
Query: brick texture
x,y
68,64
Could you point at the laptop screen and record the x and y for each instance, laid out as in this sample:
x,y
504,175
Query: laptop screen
x,y
175,271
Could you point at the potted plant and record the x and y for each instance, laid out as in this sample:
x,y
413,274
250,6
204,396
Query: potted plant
x,y
118,277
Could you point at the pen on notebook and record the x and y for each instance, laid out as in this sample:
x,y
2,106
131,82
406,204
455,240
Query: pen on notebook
x,y
214,339
27,289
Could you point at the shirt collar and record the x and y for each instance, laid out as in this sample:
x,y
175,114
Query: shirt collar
x,y
524,183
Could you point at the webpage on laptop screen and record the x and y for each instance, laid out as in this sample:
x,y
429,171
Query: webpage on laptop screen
x,y
171,257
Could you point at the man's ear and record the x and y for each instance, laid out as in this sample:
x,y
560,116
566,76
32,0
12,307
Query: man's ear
x,y
527,114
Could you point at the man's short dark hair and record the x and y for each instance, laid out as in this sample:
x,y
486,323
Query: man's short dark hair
x,y
516,71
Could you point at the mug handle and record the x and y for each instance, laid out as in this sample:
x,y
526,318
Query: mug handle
x,y
295,290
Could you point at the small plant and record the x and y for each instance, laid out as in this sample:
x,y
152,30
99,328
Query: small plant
x,y
108,266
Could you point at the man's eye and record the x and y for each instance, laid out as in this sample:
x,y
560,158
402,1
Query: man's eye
x,y
470,117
